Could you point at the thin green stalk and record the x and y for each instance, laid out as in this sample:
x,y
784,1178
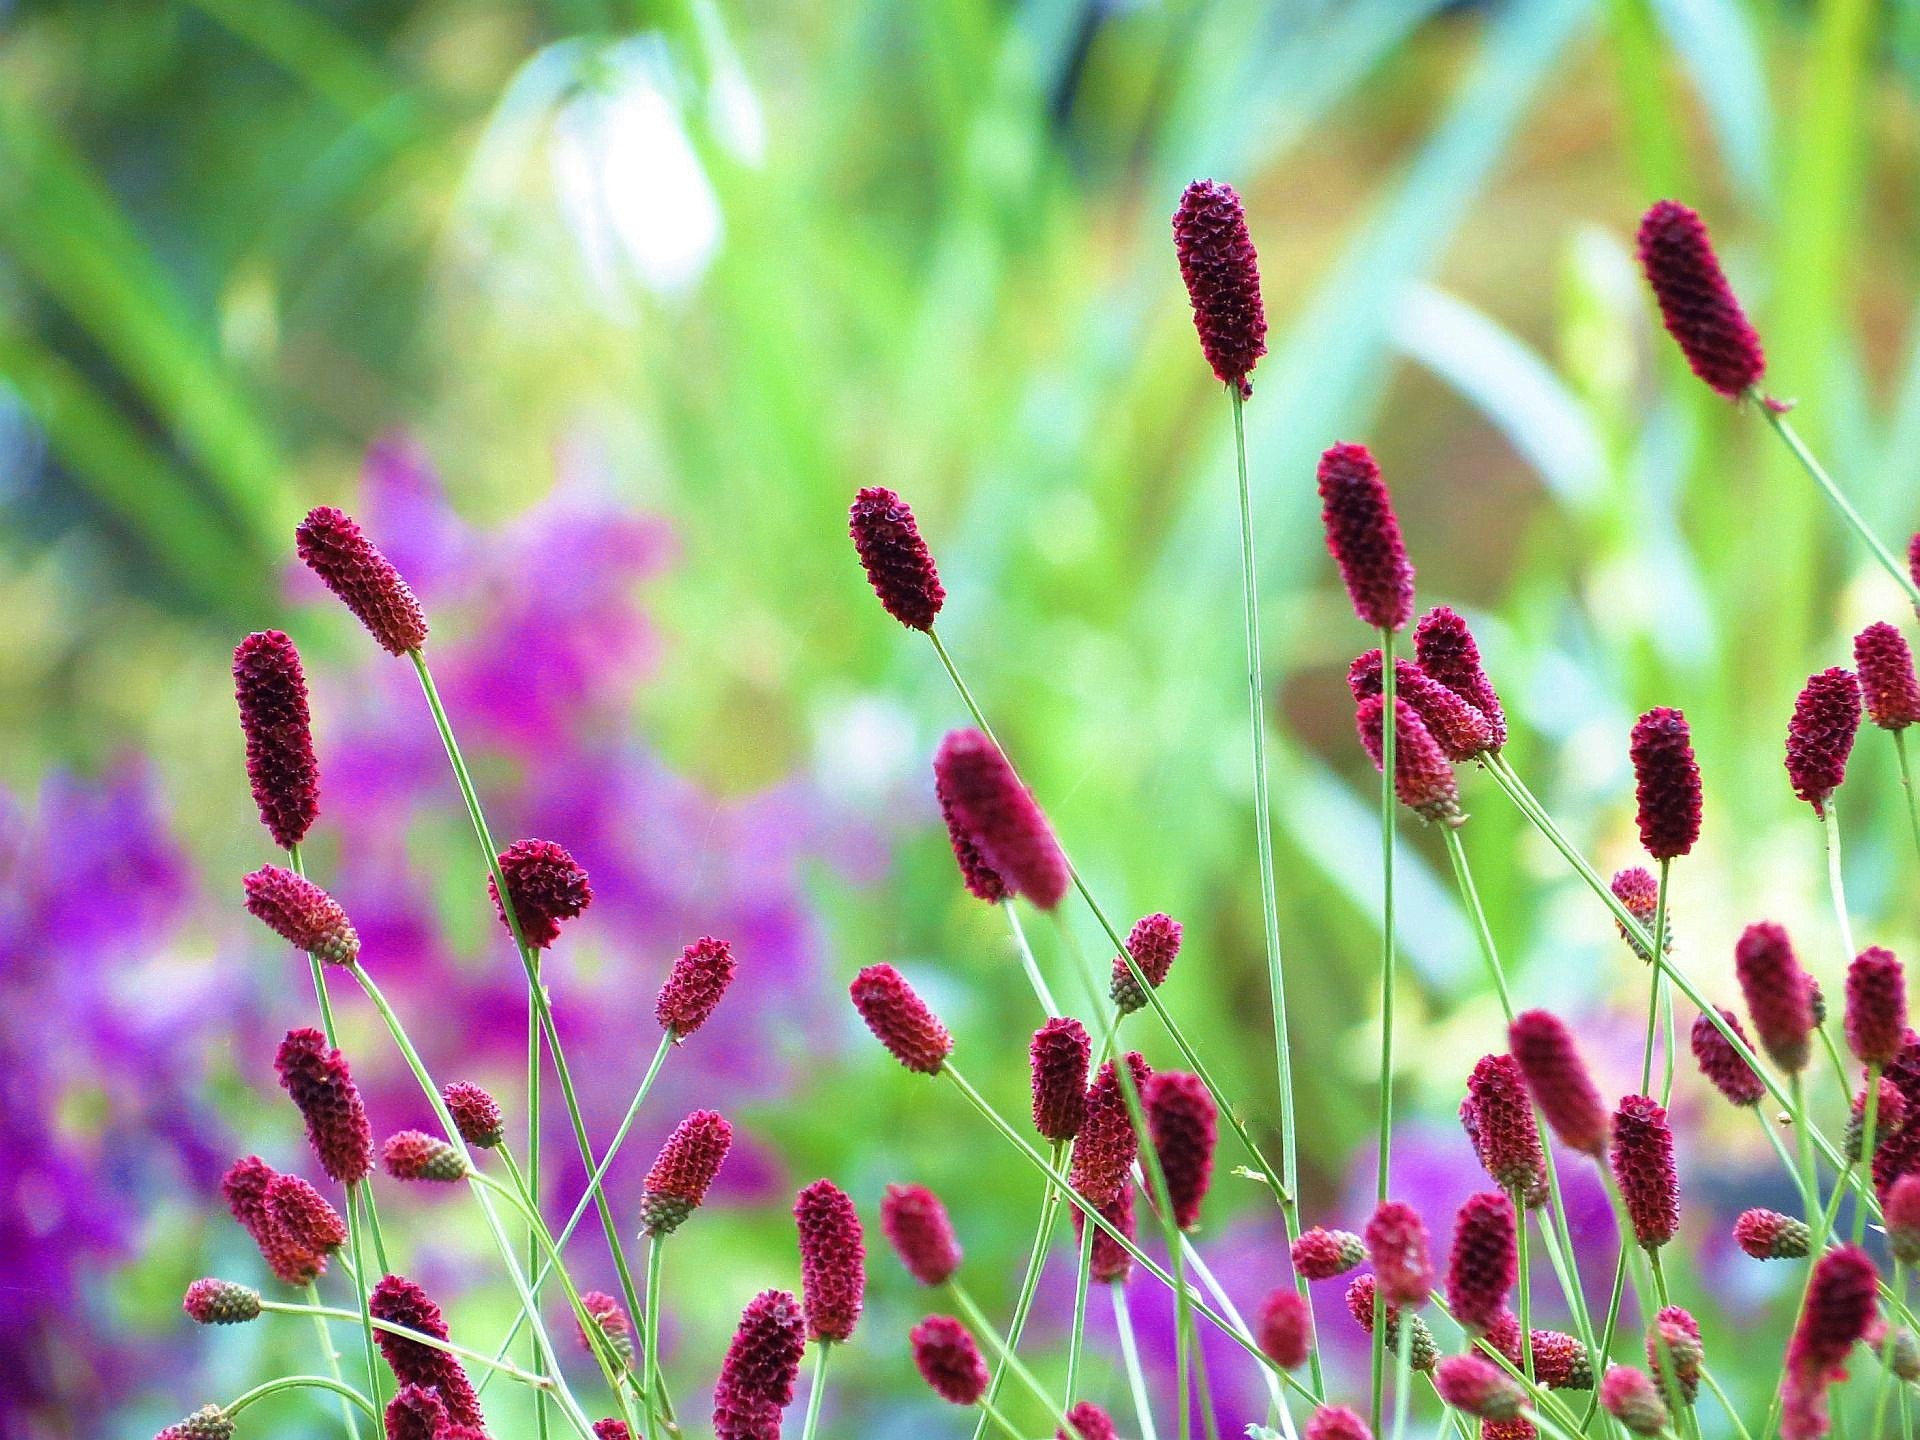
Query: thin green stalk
x,y
1809,1204
333,1356
1524,1275
1869,1119
1658,983
472,1357
1402,1377
650,1334
977,1321
1726,1405
1029,1284
1034,978
533,1159
1130,1355
1389,734
1906,786
1836,886
819,1387
1077,1337
1803,1148
1004,1425
359,1191
299,1382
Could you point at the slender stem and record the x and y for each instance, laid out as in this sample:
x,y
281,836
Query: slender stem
x,y
1402,1376
532,1182
976,1319
332,1356
1034,978
1004,1425
362,1190
821,1348
1726,1405
1809,1174
1130,1355
650,1336
259,1392
1275,1392
1906,785
1830,823
1658,985
474,1357
1524,1274
1036,1260
1869,1121
1389,734
1077,1338
1809,1203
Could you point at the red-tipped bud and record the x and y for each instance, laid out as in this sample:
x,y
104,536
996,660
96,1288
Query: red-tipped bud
x,y
1732,1076
1154,942
1890,1113
1697,305
1779,994
1631,1397
1321,1254
1285,1332
475,1114
688,1160
1108,1261
1364,537
916,1225
1559,1361
694,986
1887,682
1639,895
610,1318
1397,1245
757,1377
1422,777
1462,730
1769,1235
1336,1422
1421,1350
900,1019
1840,1306
415,1413
244,1188
1499,1121
400,1302
1876,1006
334,548
416,1155
1444,648
1901,1212
898,564
220,1302
1182,1119
304,1215
1826,717
1666,783
1558,1080
833,1257
321,1085
546,885
1090,1422
1643,1168
302,914
1060,1054
1677,1333
271,688
983,882
209,1422
1222,276
948,1360
1484,1262
1000,816
1477,1386
1106,1147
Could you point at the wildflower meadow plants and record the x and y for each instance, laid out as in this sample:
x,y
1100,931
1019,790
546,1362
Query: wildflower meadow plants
x,y
1129,1150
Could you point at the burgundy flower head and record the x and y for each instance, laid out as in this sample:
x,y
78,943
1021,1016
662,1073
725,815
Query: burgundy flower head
x,y
688,1160
1826,717
415,1413
999,815
1890,1113
983,882
1779,994
916,1225
1769,1235
1887,682
757,1377
1090,1421
1503,1131
1631,1397
1643,1168
611,1429
694,987
546,885
1222,275
1697,305
302,914
1666,783
244,1188
1484,1262
1154,943
416,1155
334,548
475,1114
1479,1387
1639,895
1841,1305
209,1422
900,1019
611,1319
898,564
1106,1147
1901,1211
1285,1332
322,1087
304,1215
1397,1245
1422,777
948,1360
1321,1254
1336,1422
1182,1119
1363,537
1060,1054
1456,722
1108,1261
1677,1333
1444,648
833,1257
220,1302
1721,1063
1876,1006
1560,1362
399,1301
1558,1080
1421,1350
271,688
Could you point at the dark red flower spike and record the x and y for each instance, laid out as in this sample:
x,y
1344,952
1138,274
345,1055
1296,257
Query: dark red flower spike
x,y
833,1257
399,1301
1363,537
322,1087
916,1225
1779,994
1642,1159
546,885
1697,305
1444,648
1060,1054
270,687
1321,1254
302,914
1503,1131
1107,1145
999,815
695,986
1732,1076
1769,1235
757,1377
1484,1261
1888,685
1222,275
1182,1119
899,566
1876,1006
1397,1245
1422,776
1826,717
1559,1081
1154,944
948,1360
1459,726
900,1019
1667,783
334,548
686,1165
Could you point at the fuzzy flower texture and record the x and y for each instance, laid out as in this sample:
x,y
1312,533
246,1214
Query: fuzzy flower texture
x,y
270,687
1222,275
1697,304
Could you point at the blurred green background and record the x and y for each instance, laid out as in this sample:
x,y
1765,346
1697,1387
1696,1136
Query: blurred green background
x,y
646,292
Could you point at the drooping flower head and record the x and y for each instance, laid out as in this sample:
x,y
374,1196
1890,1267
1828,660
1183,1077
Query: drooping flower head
x,y
1060,1054
475,1114
220,1302
1444,648
983,882
1154,943
1732,1076
1769,1235
304,1216
1558,1080
1484,1262
271,689
1422,777
1503,1131
1666,783
1108,1261
948,1360
1676,1334
695,986
1631,1397
322,1087
244,1188
1285,1331
900,1019
399,1301
1421,1350
1106,1147
1888,685
1778,992
610,1318
688,1160
416,1155
1643,1168
1363,537
1876,1005
302,914
1182,1119
1397,1245
833,1257
1000,816
1477,1386
1321,1254
1460,727
757,1377
334,548
916,1225
1890,1113
546,885
1826,717
1697,305
1336,1422
899,566
1222,275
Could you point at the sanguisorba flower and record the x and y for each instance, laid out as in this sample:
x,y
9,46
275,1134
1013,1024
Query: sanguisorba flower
x,y
1778,992
244,1188
983,882
1479,1387
336,550
1484,1260
1363,537
900,1019
1732,1076
1444,648
1285,1331
1558,1080
689,1158
1643,1168
917,1226
399,1301
1397,1245
303,1215
1091,1423
302,914
1639,895
1890,1113
270,687
209,1422
1060,1054
1336,1422
1888,685
1222,275
1107,1145
1422,776
1499,1121
898,564
1631,1397
476,1115
322,1087
1000,816
1420,1347
1826,717
1901,1212
1839,1309
757,1377
546,884
1677,1333
1666,783
220,1302
695,986
1108,1261
1183,1122
1321,1254
416,1155
948,1360
1460,727
610,1318
1154,944
1876,1005
1697,305
833,1258
1769,1235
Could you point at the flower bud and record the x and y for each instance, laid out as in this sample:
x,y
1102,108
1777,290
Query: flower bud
x,y
1666,783
899,566
1444,648
317,1078
1826,717
1060,1054
1222,275
1363,537
832,1261
1477,1386
1642,1160
1888,685
270,688
916,1225
1558,1079
302,914
1697,305
1285,1333
1181,1118
1484,1262
1397,1245
694,986
1769,1235
948,1360
1321,1254
757,1377
1153,943
999,815
220,1302
546,885
900,1019
475,1114
688,1161
416,1155
334,548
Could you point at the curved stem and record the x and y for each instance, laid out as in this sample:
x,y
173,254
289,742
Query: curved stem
x,y
1034,978
332,1356
1869,1122
1726,1405
1130,1355
260,1392
1030,1282
432,1342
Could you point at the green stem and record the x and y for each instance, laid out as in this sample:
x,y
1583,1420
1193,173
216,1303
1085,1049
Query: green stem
x,y
1004,1425
1830,823
1869,1120
331,1355
1077,1338
1130,1356
1029,1284
1726,1405
1524,1275
472,1357
1658,984
1389,734
821,1348
1906,785
1275,1392
1034,978
1402,1376
532,1182
977,1321
650,1335
300,1382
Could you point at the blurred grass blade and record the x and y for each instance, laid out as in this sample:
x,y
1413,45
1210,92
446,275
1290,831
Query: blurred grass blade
x,y
1715,41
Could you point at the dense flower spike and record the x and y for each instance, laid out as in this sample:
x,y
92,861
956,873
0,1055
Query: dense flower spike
x,y
613,1322
1106,1147
1484,1262
688,1160
898,564
334,548
1779,994
1479,1387
1502,1128
546,885
1902,1216
1676,1331
1422,777
1838,1311
1643,1168
271,689
900,1019
1888,685
1826,717
1631,1397
416,1155
1108,1261
1000,816
694,986
1336,1422
1876,1005
833,1257
244,1188
1558,1080
1182,1119
1222,275
415,1413
220,1302
757,1377
1721,1063
983,882
1444,648
1890,1113
1769,1235
1363,536
1060,1054
304,1215
948,1360
1285,1332
1639,894
916,1225
1456,722
1397,1245
399,1301
322,1087
1420,1347
611,1429
302,914
1559,1361
1091,1423
209,1422
1321,1254
1697,305
1154,943
1666,783
475,1114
